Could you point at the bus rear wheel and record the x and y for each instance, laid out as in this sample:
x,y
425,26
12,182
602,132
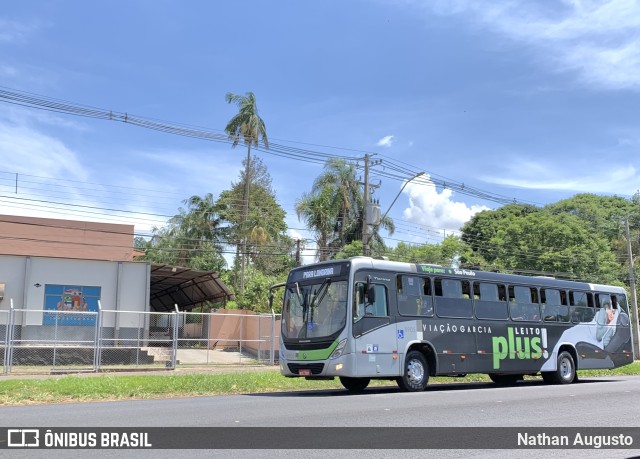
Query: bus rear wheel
x,y
354,385
565,372
416,373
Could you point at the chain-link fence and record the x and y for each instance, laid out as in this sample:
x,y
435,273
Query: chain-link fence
x,y
4,336
226,338
74,341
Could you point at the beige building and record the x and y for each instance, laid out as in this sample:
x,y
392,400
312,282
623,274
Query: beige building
x,y
77,243
46,237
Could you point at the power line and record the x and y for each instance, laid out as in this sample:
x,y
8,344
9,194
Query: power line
x,y
402,170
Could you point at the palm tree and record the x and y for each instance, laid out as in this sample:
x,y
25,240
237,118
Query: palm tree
x,y
339,177
318,212
246,125
203,218
332,208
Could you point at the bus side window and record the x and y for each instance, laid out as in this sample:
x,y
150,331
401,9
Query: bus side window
x,y
564,315
550,304
582,309
526,305
414,296
409,295
621,301
364,307
602,299
358,302
490,301
427,299
380,305
450,298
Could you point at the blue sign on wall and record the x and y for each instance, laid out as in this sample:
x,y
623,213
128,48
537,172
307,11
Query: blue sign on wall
x,y
70,305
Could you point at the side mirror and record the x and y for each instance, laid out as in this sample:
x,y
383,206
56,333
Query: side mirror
x,y
371,293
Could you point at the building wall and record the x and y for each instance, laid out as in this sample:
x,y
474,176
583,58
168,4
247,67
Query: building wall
x,y
124,286
47,237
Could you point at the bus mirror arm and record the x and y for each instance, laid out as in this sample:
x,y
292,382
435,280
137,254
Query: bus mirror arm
x,y
271,289
370,291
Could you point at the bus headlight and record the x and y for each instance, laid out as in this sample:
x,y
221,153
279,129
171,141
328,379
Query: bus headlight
x,y
337,352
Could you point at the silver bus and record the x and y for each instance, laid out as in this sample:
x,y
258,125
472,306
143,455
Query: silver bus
x,y
363,318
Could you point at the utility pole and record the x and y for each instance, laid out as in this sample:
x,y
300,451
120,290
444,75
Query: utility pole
x,y
297,252
366,217
365,214
632,285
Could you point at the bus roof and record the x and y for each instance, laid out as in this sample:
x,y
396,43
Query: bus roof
x,y
362,262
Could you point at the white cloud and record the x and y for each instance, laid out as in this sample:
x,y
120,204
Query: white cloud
x,y
28,151
386,141
40,176
436,209
621,180
598,39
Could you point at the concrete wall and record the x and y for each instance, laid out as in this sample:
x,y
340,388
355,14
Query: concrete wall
x,y
124,286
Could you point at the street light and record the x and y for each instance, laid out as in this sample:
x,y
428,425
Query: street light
x,y
398,195
366,245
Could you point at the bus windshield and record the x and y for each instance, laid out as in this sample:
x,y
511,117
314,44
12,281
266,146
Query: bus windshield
x,y
314,310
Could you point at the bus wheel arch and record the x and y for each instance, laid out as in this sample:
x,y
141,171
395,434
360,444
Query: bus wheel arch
x,y
566,367
416,369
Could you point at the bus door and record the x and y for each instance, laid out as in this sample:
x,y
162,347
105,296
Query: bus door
x,y
374,332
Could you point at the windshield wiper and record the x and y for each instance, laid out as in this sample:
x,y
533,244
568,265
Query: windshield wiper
x,y
321,292
307,309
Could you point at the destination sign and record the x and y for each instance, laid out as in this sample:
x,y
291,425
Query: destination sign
x,y
316,272
431,269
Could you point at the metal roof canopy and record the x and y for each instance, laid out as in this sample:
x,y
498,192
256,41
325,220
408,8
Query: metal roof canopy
x,y
186,287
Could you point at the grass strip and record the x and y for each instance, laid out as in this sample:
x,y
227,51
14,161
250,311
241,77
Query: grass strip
x,y
62,389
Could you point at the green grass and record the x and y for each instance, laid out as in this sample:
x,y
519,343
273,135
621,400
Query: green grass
x,y
61,389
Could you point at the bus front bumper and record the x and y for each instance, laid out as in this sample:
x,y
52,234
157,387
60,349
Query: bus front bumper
x,y
318,369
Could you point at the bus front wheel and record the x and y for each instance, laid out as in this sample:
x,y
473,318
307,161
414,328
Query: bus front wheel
x,y
416,373
565,372
354,385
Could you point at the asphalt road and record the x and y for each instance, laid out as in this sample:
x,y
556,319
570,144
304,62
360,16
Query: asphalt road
x,y
593,402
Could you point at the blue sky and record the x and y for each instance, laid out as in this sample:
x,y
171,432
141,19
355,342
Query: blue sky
x,y
533,101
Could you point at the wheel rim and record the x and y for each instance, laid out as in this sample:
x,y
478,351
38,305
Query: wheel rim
x,y
565,369
415,372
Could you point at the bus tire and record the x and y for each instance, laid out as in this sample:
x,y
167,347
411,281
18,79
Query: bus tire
x,y
354,385
416,373
504,380
565,372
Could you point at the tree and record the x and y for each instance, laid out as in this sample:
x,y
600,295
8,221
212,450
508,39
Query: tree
x,y
483,228
352,249
603,214
339,178
569,240
446,253
264,229
193,238
318,213
246,125
333,210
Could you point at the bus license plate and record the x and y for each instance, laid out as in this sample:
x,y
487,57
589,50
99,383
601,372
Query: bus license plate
x,y
304,372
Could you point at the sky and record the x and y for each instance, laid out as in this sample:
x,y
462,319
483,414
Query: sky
x,y
523,101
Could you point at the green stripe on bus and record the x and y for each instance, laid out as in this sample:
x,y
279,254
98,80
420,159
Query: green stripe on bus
x,y
316,354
